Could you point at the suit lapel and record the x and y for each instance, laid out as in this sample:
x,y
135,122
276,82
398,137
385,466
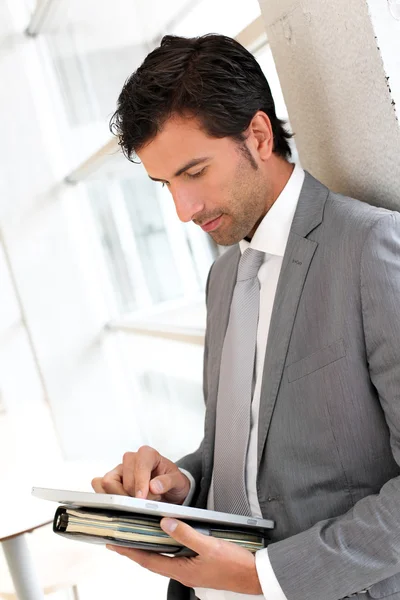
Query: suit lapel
x,y
298,256
296,262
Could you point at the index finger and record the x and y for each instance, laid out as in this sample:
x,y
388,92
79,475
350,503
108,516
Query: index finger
x,y
137,471
97,485
110,483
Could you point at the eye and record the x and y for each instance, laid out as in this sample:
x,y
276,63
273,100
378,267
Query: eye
x,y
198,174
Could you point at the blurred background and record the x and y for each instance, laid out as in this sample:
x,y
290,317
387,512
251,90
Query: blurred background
x,y
102,288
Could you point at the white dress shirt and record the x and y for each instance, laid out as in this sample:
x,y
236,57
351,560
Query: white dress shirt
x,y
271,237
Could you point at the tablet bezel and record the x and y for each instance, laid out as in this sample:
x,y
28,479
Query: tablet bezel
x,y
147,507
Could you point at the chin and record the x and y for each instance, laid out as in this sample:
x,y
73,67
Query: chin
x,y
229,236
225,240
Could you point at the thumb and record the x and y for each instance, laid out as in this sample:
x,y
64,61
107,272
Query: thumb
x,y
186,535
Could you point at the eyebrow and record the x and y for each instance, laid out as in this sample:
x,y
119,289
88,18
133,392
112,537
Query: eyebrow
x,y
192,163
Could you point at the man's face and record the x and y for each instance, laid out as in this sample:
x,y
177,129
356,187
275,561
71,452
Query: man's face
x,y
216,183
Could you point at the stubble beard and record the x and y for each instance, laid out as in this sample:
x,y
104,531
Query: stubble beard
x,y
249,198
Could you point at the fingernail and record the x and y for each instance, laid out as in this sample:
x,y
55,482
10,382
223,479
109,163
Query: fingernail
x,y
157,486
139,494
110,548
169,525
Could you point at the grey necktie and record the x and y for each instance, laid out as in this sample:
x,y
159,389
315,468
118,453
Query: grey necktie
x,y
235,391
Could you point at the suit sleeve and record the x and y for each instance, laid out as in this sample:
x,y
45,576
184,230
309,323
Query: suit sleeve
x,y
348,554
193,463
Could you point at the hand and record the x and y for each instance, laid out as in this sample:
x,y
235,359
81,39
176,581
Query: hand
x,y
218,565
145,474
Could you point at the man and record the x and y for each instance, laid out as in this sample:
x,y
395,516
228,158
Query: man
x,y
302,352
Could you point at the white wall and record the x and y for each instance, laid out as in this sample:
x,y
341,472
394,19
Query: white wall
x,y
333,61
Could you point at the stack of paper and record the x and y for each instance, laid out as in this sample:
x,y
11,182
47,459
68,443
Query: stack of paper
x,y
141,531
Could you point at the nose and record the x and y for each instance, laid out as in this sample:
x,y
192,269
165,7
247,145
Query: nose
x,y
186,204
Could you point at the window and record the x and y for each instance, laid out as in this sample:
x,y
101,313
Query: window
x,y
151,257
153,246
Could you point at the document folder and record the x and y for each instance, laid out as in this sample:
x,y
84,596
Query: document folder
x,y
142,532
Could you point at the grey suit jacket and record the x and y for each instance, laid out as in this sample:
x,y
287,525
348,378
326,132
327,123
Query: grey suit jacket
x,y
329,423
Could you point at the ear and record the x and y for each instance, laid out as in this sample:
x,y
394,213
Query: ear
x,y
260,135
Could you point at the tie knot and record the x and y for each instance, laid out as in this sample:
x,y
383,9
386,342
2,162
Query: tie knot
x,y
249,264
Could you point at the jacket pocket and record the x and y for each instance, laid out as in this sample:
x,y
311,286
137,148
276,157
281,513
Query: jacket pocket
x,y
387,587
316,361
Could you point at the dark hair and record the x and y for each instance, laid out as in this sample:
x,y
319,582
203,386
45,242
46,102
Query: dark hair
x,y
211,77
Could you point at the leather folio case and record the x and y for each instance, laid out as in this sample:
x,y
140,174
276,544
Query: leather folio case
x,y
104,526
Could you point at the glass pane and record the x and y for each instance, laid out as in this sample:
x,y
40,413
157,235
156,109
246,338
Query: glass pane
x,y
90,78
203,251
113,251
142,204
166,380
148,263
160,271
151,237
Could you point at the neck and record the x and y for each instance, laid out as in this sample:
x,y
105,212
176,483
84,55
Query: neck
x,y
282,171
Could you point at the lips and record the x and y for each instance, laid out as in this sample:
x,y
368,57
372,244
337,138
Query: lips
x,y
212,225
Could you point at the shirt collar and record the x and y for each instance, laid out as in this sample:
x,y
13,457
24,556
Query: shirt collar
x,y
272,233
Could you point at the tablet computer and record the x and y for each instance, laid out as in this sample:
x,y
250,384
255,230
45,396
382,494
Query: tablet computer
x,y
148,507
